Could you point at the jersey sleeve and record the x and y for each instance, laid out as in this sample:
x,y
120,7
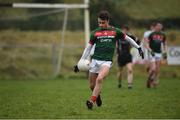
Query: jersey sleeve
x,y
146,34
92,38
131,36
150,37
120,34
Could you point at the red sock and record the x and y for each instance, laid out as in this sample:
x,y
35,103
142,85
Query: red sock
x,y
93,99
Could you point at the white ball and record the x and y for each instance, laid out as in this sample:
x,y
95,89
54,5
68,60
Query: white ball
x,y
83,65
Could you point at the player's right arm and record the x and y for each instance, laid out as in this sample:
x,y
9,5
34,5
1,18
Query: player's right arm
x,y
147,45
89,46
86,51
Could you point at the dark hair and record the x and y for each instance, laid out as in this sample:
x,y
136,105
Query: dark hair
x,y
104,15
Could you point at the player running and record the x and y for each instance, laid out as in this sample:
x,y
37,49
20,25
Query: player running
x,y
156,45
105,38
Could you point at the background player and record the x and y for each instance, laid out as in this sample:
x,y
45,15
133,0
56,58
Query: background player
x,y
144,45
124,58
156,45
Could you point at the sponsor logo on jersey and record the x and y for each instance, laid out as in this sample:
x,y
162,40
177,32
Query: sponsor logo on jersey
x,y
158,37
105,33
105,40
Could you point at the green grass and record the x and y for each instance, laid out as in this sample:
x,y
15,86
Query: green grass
x,y
65,98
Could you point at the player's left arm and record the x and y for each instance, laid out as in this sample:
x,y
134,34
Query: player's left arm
x,y
164,48
165,44
132,42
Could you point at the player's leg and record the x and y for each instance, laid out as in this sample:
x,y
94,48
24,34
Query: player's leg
x,y
92,80
156,80
104,70
102,74
93,73
147,65
92,83
98,85
147,61
158,58
151,75
130,74
121,63
119,76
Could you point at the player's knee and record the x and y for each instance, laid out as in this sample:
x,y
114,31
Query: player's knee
x,y
99,81
153,70
91,86
130,71
156,71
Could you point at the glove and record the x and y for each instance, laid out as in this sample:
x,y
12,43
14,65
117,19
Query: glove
x,y
164,55
76,69
152,53
141,52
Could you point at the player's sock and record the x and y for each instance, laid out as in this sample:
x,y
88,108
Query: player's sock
x,y
89,103
93,99
150,80
129,85
119,84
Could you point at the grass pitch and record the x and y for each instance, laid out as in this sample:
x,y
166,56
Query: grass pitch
x,y
65,98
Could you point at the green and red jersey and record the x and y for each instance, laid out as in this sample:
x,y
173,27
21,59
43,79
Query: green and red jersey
x,y
155,41
105,40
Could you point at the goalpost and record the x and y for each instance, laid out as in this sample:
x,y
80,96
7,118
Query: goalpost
x,y
66,7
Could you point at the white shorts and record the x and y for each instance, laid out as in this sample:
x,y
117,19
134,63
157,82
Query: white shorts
x,y
156,57
96,65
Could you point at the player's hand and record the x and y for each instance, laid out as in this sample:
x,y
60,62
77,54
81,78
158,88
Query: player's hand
x,y
152,53
76,69
141,52
164,55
